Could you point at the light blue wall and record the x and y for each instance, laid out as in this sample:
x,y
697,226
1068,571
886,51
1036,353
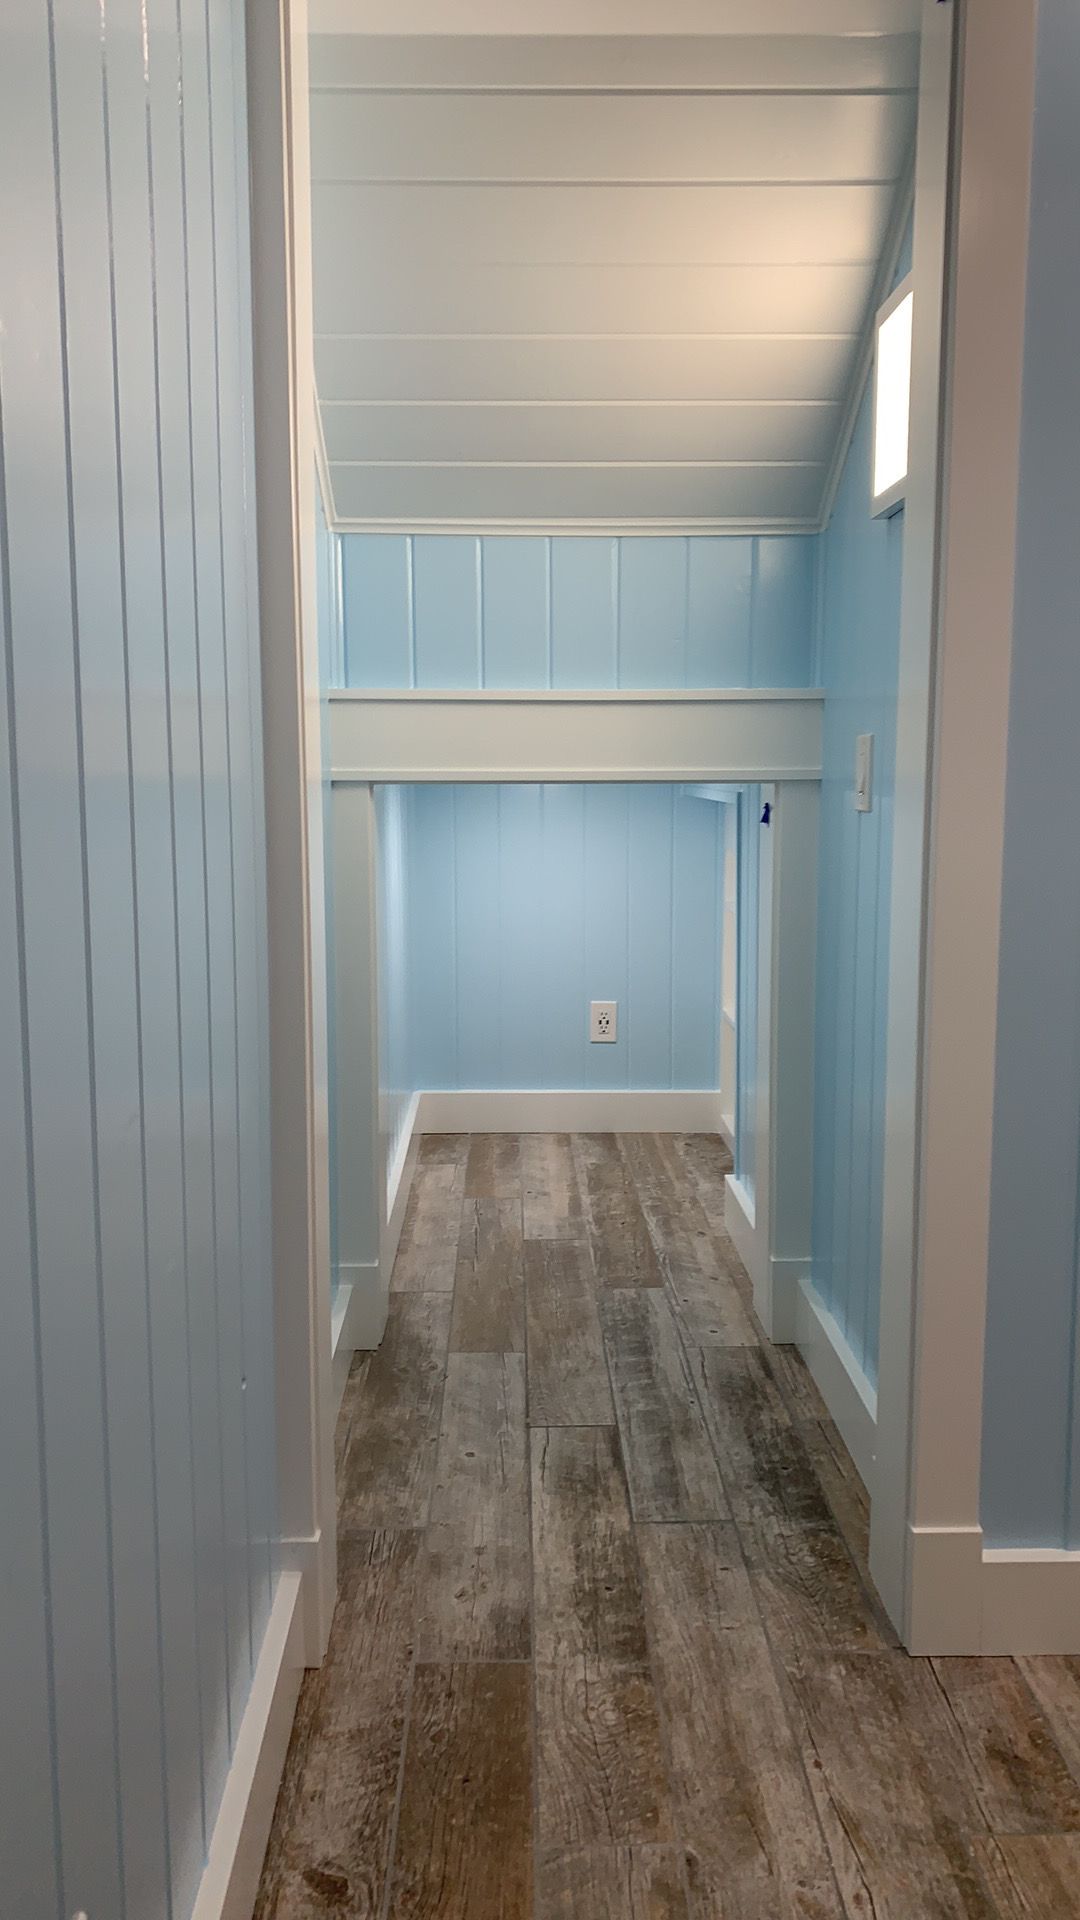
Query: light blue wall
x,y
444,610
527,902
137,1500
1031,1447
397,1082
859,586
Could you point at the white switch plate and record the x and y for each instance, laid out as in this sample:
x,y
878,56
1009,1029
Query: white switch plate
x,y
603,1020
864,772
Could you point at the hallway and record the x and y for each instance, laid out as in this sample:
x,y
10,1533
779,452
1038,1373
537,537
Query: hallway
x,y
605,1645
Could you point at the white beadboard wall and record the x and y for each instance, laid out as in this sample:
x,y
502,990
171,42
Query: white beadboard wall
x,y
137,1503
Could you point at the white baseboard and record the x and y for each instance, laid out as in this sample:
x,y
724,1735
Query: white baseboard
x,y
399,1181
1030,1600
841,1381
230,1878
570,1110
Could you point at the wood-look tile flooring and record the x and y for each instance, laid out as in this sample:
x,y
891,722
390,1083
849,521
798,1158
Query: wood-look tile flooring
x,y
606,1646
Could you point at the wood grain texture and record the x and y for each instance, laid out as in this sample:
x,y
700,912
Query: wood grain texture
x,y
844,1493
601,1775
898,1796
493,1167
444,1149
1031,1877
707,1162
427,1252
709,1309
489,1288
1055,1683
670,1467
610,1883
390,1460
741,1797
568,1377
587,1598
330,1845
464,1844
762,1458
622,1247
350,1400
808,1590
1024,1783
677,1223
476,1598
551,1201
796,1384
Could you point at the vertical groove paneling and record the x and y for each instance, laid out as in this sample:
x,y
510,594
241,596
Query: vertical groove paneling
x,y
395,1084
859,610
136,1333
527,902
578,611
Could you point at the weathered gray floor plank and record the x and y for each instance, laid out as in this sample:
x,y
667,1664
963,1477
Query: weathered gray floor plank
x,y
610,1883
1055,1683
493,1167
586,1585
1024,1783
551,1200
765,1466
489,1288
741,1799
808,1590
476,1598
464,1841
622,1247
390,1459
330,1845
670,1467
601,1777
568,1377
427,1252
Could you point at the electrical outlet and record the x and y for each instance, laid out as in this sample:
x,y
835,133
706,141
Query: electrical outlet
x,y
603,1020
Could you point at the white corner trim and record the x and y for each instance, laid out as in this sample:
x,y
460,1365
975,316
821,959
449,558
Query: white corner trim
x,y
1031,1600
364,1317
569,1110
841,1381
322,467
946,1581
230,1878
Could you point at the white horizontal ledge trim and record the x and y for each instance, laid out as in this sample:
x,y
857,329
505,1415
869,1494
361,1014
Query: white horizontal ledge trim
x,y
572,696
611,529
674,737
569,1110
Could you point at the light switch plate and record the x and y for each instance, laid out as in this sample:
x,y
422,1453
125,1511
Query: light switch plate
x,y
864,772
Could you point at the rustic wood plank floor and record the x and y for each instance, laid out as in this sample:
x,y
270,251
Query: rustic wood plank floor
x,y
606,1646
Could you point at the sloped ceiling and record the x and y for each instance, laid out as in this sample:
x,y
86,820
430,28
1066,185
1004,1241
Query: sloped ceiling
x,y
599,279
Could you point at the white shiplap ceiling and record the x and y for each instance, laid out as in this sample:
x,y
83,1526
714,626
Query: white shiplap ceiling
x,y
597,279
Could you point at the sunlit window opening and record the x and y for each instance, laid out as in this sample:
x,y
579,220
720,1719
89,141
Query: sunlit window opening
x,y
892,400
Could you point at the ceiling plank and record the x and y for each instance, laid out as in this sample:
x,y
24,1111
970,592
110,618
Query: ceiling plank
x,y
723,430
611,137
609,17
419,295
587,224
414,494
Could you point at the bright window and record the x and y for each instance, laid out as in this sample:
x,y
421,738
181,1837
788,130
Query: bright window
x,y
892,400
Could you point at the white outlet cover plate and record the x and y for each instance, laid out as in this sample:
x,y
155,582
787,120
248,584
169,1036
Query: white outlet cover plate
x,y
603,1020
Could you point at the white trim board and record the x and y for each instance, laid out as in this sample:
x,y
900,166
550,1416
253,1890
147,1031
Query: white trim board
x,y
230,1878
1030,1600
569,1110
841,1381
730,735
398,1184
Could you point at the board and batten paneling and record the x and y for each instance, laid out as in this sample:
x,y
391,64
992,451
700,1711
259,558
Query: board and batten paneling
x,y
577,611
1031,1404
137,1368
526,902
